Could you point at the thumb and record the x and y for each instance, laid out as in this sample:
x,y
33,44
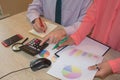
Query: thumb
x,y
92,67
63,44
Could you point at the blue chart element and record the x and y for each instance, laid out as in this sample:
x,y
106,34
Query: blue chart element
x,y
71,72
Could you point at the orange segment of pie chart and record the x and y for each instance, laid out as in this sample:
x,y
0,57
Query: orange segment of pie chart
x,y
44,54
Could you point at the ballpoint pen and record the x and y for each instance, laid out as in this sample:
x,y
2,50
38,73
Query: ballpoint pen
x,y
60,42
41,23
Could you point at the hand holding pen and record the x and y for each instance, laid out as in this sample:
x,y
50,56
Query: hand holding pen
x,y
60,42
39,25
64,42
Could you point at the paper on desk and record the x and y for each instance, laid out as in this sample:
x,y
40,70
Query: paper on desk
x,y
74,61
87,44
74,66
50,27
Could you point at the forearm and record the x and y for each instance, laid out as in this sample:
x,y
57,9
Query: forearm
x,y
34,10
86,25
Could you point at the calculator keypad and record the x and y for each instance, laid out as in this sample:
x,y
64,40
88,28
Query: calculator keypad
x,y
33,47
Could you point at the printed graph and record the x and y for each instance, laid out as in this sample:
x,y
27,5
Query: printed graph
x,y
77,53
44,54
71,72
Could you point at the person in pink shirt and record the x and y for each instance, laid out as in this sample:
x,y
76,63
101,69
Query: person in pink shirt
x,y
103,19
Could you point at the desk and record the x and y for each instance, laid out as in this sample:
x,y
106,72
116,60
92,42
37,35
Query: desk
x,y
10,61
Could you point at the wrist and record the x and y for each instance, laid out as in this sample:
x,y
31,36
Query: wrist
x,y
64,32
33,21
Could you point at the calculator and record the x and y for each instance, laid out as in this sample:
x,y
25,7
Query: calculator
x,y
33,47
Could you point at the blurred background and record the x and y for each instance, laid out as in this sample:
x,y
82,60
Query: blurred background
x,y
12,7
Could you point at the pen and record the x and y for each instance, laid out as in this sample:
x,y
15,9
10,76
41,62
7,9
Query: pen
x,y
59,43
41,23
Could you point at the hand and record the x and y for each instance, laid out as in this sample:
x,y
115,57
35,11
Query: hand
x,y
55,36
39,25
69,41
104,71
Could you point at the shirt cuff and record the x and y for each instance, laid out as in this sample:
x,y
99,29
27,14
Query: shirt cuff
x,y
68,30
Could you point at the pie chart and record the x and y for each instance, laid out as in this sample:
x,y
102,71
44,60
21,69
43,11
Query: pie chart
x,y
44,54
71,72
54,58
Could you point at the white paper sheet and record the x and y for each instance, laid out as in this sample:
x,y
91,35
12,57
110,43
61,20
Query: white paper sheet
x,y
50,27
74,61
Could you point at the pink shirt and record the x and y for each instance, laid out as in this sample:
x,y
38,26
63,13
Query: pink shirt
x,y
104,18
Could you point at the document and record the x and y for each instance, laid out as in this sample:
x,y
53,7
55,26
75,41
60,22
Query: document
x,y
50,27
74,61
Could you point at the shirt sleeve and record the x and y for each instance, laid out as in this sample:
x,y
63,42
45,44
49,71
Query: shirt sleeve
x,y
115,65
35,9
72,28
86,25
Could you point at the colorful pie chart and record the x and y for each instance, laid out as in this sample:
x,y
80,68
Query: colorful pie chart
x,y
44,54
71,72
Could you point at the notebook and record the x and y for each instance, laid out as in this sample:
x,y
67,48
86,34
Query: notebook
x,y
50,27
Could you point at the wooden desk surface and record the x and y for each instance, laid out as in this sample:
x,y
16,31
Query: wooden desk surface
x,y
10,61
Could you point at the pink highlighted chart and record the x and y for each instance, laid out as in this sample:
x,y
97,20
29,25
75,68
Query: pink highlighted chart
x,y
71,72
44,54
